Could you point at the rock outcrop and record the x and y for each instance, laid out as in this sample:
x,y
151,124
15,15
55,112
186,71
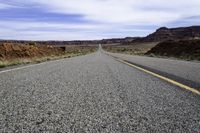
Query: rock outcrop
x,y
181,33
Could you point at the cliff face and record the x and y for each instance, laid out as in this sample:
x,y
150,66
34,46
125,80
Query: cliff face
x,y
164,33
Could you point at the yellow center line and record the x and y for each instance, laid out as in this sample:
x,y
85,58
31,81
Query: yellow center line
x,y
161,77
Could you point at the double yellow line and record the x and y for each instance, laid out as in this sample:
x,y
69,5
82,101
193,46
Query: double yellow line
x,y
195,91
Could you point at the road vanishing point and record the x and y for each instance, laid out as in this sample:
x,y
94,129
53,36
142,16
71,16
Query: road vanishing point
x,y
101,92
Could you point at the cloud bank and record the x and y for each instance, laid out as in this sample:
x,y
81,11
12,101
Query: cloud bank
x,y
92,19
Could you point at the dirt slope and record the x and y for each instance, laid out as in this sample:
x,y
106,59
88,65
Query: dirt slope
x,y
12,51
185,49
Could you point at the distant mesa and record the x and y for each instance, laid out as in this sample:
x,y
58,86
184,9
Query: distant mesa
x,y
161,34
162,29
182,33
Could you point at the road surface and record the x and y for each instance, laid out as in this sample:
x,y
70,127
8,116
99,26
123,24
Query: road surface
x,y
183,71
93,93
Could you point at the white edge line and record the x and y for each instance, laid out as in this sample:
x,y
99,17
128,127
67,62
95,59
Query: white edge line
x,y
27,66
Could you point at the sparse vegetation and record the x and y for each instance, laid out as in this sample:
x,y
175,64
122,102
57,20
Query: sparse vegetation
x,y
133,49
179,49
32,43
18,54
182,49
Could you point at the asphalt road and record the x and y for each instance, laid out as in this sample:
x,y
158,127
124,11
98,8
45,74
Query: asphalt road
x,y
93,93
183,71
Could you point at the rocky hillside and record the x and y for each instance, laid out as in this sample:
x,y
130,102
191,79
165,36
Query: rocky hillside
x,y
184,49
181,33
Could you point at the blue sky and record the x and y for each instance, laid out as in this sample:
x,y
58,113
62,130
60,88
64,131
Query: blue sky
x,y
92,19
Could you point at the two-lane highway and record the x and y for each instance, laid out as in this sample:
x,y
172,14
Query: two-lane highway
x,y
182,71
93,93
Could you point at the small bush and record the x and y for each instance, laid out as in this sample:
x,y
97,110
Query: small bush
x,y
32,43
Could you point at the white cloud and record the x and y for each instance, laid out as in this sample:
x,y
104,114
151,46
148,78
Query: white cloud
x,y
5,6
23,25
61,31
106,18
126,11
36,30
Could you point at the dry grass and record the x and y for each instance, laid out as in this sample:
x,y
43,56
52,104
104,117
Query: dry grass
x,y
133,49
69,52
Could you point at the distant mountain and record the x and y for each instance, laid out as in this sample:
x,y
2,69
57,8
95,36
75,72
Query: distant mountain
x,y
162,34
75,42
181,33
118,40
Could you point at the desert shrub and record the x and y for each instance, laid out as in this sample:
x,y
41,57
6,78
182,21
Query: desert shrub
x,y
32,43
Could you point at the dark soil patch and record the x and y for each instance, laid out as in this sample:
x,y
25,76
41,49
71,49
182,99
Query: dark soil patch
x,y
184,49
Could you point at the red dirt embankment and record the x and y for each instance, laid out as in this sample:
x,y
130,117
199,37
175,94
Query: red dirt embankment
x,y
9,51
